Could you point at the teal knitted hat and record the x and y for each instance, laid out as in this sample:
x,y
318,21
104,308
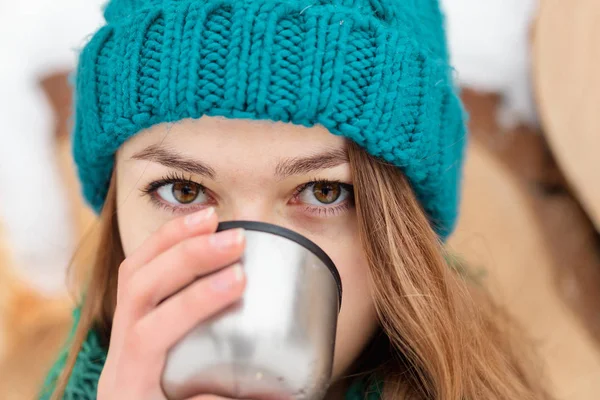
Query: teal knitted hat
x,y
374,71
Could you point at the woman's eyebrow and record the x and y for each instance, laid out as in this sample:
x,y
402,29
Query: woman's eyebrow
x,y
305,165
172,159
285,167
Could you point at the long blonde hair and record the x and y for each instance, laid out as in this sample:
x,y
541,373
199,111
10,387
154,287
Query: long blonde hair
x,y
441,336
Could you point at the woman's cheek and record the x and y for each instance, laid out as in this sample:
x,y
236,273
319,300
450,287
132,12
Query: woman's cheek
x,y
357,322
138,219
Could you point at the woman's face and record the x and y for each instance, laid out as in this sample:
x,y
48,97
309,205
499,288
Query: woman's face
x,y
252,170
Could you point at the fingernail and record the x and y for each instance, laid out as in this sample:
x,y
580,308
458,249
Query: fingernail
x,y
238,272
199,217
227,239
226,279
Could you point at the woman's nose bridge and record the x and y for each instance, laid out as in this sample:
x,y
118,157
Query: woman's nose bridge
x,y
257,208
254,197
256,215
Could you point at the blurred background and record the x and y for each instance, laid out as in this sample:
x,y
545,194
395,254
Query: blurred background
x,y
531,197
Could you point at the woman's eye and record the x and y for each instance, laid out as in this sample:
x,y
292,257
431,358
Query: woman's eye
x,y
324,193
182,193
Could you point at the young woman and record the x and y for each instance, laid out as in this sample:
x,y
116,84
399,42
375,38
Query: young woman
x,y
337,119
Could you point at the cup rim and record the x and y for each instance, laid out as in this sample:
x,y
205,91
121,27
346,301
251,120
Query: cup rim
x,y
293,236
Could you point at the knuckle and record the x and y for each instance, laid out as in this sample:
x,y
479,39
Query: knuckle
x,y
189,300
134,290
123,281
125,270
190,249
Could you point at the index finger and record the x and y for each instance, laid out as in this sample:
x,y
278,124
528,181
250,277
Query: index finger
x,y
199,223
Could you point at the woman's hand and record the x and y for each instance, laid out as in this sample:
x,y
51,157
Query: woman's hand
x,y
145,326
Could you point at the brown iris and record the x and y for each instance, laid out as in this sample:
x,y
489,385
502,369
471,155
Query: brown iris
x,y
185,192
327,192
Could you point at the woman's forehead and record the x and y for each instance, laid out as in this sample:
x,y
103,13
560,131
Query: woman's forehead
x,y
220,140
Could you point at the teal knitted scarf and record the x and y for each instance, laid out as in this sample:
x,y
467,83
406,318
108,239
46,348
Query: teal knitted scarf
x,y
90,361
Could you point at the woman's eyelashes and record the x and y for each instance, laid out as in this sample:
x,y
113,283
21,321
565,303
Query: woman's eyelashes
x,y
324,197
180,194
177,193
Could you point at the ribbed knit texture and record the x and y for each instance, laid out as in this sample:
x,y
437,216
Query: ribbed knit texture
x,y
83,383
373,71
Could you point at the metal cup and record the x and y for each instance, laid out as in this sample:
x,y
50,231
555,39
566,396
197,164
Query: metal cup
x,y
278,341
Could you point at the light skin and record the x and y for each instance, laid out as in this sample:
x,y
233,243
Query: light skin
x,y
174,184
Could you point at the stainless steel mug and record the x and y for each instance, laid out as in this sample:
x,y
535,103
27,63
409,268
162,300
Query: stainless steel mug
x,y
278,341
